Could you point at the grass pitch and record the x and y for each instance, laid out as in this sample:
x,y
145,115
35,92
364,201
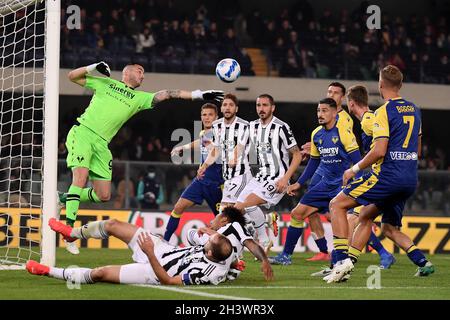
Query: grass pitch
x,y
291,282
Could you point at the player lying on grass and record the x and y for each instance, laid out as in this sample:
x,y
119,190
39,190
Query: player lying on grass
x,y
155,260
231,223
113,103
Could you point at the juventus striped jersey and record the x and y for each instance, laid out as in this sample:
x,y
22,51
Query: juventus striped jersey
x,y
271,143
227,137
192,264
236,233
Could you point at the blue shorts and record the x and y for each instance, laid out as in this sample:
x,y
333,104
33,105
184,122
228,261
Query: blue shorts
x,y
198,191
389,197
319,195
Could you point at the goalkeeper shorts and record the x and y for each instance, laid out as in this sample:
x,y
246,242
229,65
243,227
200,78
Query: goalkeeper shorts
x,y
88,150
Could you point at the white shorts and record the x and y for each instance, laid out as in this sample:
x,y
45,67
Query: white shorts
x,y
265,190
232,188
141,272
137,273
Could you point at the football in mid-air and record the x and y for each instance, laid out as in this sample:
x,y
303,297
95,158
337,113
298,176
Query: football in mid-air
x,y
228,70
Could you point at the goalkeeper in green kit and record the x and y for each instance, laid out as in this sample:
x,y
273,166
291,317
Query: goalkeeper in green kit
x,y
113,103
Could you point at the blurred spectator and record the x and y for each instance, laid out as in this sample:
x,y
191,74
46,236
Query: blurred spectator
x,y
62,151
95,37
145,41
133,24
150,192
290,66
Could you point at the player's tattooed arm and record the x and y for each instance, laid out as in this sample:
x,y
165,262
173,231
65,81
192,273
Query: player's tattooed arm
x,y
171,94
283,183
78,76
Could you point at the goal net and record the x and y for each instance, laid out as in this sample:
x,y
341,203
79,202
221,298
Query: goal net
x,y
23,29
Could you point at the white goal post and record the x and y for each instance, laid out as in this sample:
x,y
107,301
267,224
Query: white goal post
x,y
29,84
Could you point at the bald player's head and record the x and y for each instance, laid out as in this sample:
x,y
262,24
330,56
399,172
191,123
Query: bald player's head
x,y
133,75
218,247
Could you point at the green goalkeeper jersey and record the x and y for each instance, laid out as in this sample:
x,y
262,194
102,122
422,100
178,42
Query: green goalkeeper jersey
x,y
112,104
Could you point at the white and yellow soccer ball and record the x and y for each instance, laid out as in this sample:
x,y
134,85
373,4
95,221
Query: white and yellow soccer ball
x,y
228,70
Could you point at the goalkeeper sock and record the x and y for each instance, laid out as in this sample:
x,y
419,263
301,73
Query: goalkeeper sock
x,y
72,204
86,195
172,225
94,230
416,256
74,275
259,218
294,232
375,243
89,195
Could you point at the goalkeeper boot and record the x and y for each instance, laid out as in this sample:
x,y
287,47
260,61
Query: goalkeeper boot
x,y
72,247
386,261
36,268
425,271
320,256
281,259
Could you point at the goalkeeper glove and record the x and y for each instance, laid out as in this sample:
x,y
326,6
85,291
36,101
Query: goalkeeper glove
x,y
101,67
216,95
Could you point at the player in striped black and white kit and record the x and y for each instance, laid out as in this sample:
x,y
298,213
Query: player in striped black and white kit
x,y
156,261
231,223
231,149
274,144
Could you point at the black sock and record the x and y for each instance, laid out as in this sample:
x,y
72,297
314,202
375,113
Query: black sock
x,y
70,222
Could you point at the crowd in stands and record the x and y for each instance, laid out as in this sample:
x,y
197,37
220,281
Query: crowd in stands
x,y
299,42
158,37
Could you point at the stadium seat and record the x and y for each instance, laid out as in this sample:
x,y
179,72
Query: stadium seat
x,y
175,65
207,66
159,64
141,59
191,64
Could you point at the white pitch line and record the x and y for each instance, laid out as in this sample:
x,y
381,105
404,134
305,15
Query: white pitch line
x,y
195,293
307,287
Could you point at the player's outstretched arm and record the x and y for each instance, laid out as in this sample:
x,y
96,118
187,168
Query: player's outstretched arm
x,y
212,157
213,95
185,147
147,246
78,76
259,253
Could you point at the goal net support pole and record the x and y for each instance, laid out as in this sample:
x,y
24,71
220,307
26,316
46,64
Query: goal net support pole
x,y
50,148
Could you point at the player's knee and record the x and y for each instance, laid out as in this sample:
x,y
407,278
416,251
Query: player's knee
x,y
98,274
104,196
111,224
387,230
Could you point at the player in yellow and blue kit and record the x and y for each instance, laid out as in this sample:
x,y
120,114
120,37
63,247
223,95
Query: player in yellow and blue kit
x,y
357,102
336,91
209,188
391,181
333,150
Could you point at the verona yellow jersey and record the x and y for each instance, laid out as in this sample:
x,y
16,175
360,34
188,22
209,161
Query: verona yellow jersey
x,y
399,121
